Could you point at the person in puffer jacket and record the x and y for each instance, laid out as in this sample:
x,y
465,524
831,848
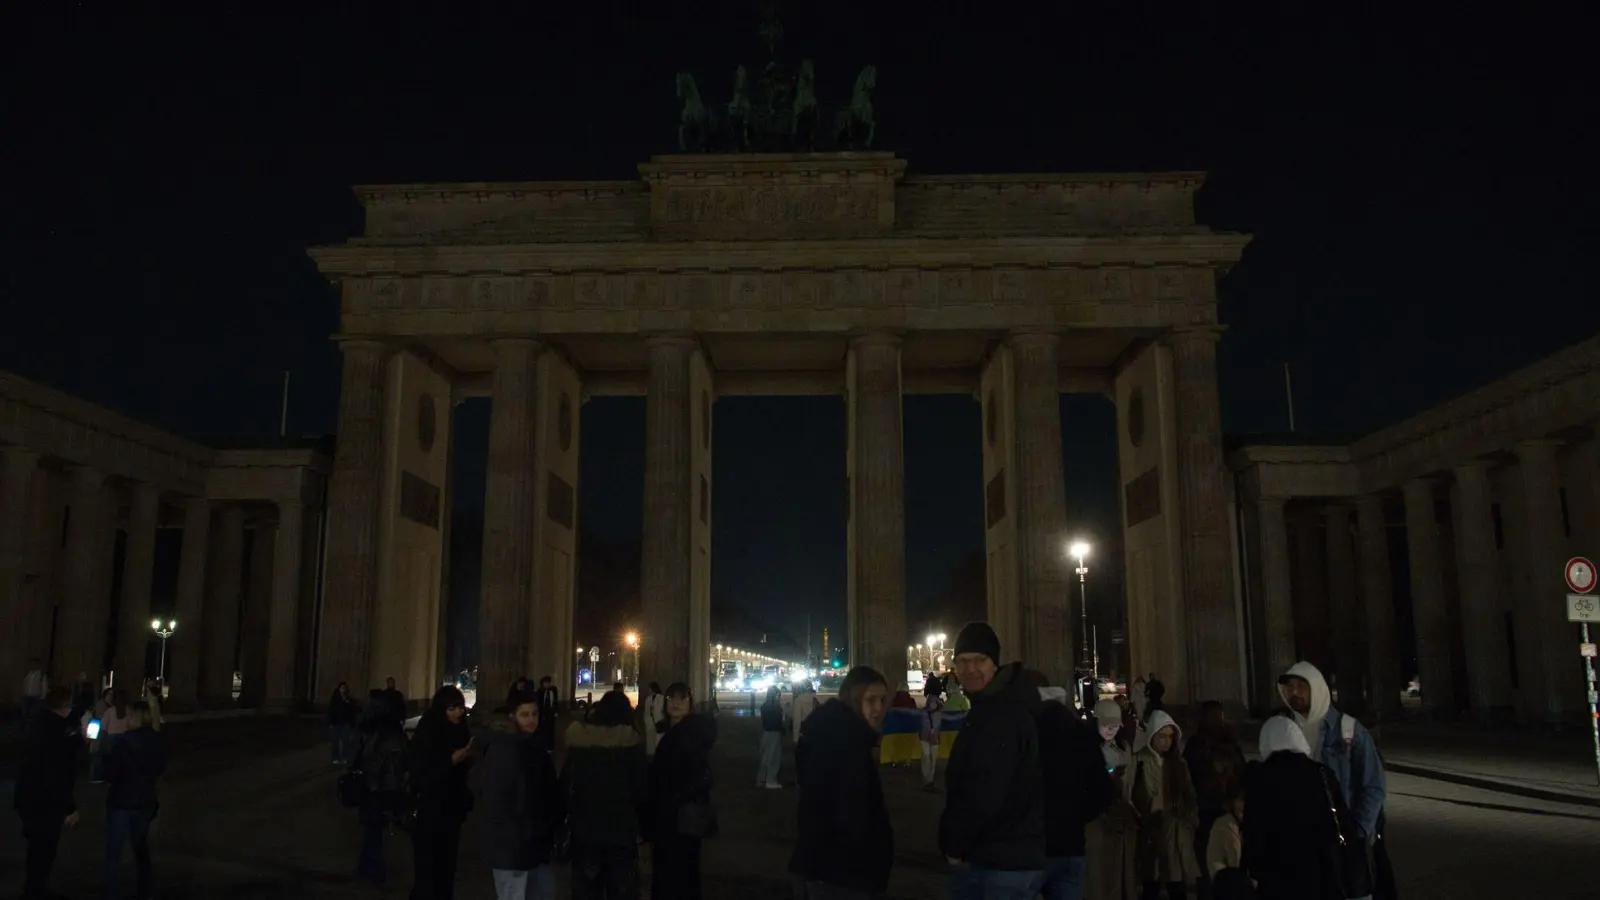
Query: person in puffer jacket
x,y
519,803
607,780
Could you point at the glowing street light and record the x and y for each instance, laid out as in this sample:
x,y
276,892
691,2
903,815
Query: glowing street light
x,y
1080,551
632,640
164,633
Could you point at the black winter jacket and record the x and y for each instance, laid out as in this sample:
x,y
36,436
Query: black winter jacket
x,y
846,838
49,766
1076,789
136,761
607,780
994,808
680,772
519,802
439,785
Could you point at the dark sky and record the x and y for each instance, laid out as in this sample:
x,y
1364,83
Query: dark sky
x,y
1419,190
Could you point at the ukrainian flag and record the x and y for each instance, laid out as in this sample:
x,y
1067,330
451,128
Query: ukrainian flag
x,y
902,729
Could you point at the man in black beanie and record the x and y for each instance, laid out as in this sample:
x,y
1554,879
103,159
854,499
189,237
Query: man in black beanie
x,y
992,830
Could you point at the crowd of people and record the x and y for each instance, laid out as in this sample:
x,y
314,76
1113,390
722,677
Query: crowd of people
x,y
126,756
630,787
1040,801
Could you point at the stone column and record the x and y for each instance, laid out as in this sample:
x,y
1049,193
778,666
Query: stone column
x,y
185,647
1276,604
283,618
1483,629
1377,601
1047,597
1207,558
664,583
219,632
1427,601
138,573
26,634
880,513
344,641
504,615
257,611
82,615
1558,678
1345,616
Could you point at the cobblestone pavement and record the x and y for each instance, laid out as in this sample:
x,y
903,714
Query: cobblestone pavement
x,y
249,812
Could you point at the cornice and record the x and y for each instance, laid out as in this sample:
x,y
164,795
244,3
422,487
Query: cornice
x,y
66,406
1199,247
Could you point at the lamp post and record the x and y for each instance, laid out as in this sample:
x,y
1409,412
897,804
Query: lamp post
x,y
577,673
1080,550
633,642
163,633
936,660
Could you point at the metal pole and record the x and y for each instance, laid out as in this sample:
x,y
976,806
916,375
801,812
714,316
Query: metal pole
x,y
1288,392
1083,604
162,671
283,417
1594,717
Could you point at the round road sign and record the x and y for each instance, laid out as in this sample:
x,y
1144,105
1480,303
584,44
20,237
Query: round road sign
x,y
1580,575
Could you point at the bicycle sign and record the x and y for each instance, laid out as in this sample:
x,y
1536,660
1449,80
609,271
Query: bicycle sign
x,y
1583,608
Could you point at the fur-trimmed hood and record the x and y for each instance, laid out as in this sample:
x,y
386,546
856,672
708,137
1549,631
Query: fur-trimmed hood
x,y
586,735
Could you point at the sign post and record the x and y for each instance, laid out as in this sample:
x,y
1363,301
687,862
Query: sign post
x,y
1583,607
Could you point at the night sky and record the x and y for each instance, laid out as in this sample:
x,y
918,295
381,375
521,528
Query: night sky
x,y
1419,190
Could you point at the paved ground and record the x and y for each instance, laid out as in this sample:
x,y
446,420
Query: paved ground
x,y
249,812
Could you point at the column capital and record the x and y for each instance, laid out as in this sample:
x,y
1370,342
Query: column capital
x,y
1194,334
362,344
1473,467
1536,447
677,340
1034,337
879,338
515,342
1420,486
13,453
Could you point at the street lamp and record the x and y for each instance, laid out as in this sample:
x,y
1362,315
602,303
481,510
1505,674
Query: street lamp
x,y
1080,551
633,642
164,633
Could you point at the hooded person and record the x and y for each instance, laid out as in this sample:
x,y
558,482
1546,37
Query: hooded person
x,y
992,829
1111,842
1292,846
1163,793
1339,742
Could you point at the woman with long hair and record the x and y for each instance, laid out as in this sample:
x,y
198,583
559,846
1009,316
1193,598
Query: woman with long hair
x,y
441,753
681,814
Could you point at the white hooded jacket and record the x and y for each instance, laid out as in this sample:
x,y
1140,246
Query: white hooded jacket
x,y
1321,702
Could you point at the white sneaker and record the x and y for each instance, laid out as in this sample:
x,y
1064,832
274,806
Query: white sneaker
x,y
773,786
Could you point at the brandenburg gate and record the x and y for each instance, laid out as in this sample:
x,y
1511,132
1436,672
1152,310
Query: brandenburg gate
x,y
775,274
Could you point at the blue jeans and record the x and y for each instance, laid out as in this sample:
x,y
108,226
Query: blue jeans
x,y
771,757
531,884
1063,878
128,826
973,882
371,865
343,748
